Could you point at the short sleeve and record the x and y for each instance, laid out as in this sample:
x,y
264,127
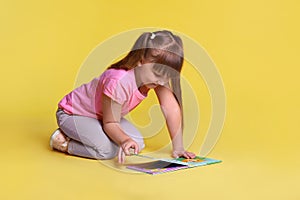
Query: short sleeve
x,y
115,90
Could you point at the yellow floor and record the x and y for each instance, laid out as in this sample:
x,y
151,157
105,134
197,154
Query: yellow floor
x,y
30,170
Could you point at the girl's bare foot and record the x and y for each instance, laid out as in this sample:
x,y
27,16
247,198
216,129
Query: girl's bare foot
x,y
59,141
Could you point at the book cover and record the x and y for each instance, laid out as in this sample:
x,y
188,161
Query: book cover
x,y
167,165
193,162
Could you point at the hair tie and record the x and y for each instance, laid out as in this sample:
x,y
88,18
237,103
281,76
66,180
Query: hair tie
x,y
152,36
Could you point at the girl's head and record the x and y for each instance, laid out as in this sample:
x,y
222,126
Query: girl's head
x,y
160,47
162,51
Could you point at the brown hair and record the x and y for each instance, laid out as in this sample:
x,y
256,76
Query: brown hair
x,y
164,50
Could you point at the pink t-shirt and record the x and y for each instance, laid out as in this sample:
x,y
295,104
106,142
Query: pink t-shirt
x,y
118,84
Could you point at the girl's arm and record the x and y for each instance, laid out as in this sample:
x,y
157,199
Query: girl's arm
x,y
172,114
111,126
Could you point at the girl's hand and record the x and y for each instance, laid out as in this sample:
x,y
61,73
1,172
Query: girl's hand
x,y
183,153
125,149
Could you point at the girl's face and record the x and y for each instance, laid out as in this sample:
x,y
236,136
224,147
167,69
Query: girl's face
x,y
150,78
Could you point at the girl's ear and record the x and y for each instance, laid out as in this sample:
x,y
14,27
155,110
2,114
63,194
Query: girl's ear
x,y
139,63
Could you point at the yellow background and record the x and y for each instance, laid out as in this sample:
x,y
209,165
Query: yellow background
x,y
255,45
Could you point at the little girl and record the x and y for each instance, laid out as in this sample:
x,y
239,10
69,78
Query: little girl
x,y
90,118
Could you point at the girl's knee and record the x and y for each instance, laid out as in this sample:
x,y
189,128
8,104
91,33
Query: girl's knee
x,y
141,144
106,152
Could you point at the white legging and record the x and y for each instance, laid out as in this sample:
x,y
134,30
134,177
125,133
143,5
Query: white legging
x,y
88,138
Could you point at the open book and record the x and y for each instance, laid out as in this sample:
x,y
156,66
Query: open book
x,y
159,166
